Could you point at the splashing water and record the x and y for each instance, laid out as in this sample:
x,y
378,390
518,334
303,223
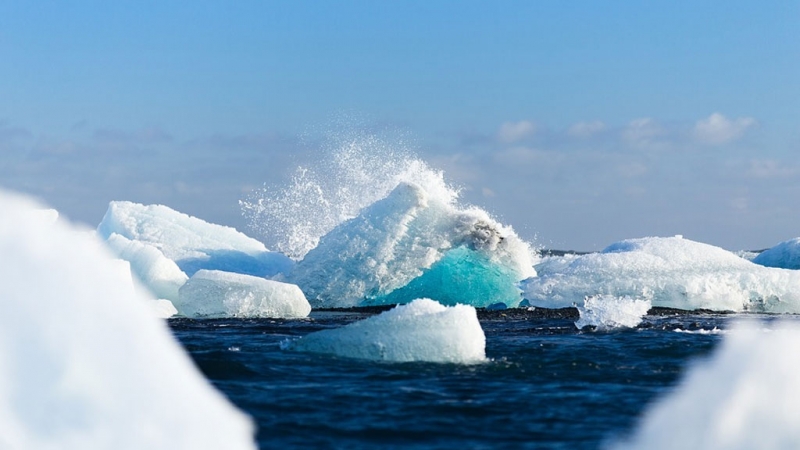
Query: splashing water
x,y
353,171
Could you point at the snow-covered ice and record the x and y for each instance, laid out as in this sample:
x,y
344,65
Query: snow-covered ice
x,y
412,244
191,242
743,397
83,362
671,272
785,255
605,312
423,330
213,293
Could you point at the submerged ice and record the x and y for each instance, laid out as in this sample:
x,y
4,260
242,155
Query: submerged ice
x,y
671,272
412,244
423,330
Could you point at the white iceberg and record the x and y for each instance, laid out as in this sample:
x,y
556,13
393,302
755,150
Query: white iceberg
x,y
191,242
671,272
412,244
423,330
213,293
154,270
83,363
743,397
606,312
785,255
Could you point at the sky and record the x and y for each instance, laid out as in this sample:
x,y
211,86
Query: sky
x,y
579,123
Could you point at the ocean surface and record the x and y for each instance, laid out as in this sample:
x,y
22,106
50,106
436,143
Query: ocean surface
x,y
548,385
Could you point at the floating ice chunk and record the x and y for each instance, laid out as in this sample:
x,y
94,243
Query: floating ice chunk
x,y
423,330
744,397
158,273
191,242
606,312
411,245
83,362
213,293
785,255
672,272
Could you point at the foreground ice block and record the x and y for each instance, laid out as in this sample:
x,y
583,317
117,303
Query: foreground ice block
x,y
83,362
191,242
670,272
213,293
743,397
785,255
411,245
423,330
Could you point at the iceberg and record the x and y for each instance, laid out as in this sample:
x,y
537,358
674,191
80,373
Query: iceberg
x,y
154,270
83,362
191,242
743,397
213,293
423,330
606,312
785,255
670,272
412,244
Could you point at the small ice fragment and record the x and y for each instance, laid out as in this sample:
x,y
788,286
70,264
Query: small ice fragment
x,y
605,312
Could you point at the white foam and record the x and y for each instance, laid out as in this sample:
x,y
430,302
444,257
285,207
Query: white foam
x,y
605,312
191,242
672,272
785,255
395,240
213,293
423,330
83,362
743,397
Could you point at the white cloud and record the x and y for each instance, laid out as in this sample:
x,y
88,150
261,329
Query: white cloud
x,y
515,131
643,131
718,129
586,129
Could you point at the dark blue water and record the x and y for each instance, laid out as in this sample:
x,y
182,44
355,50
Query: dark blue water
x,y
548,385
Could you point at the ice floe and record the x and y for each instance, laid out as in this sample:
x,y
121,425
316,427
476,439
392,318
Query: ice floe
x,y
411,244
191,242
785,255
213,293
671,272
423,330
83,362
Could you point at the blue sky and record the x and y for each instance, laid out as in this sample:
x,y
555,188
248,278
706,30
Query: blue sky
x,y
580,123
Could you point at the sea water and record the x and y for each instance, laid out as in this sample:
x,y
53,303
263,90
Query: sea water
x,y
547,384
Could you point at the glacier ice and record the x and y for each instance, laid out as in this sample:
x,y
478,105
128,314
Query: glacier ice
x,y
157,272
191,242
743,397
83,362
213,293
671,272
423,330
414,244
785,255
606,312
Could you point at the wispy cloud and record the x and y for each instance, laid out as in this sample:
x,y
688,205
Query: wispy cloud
x,y
586,129
717,129
511,132
150,135
642,132
771,168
